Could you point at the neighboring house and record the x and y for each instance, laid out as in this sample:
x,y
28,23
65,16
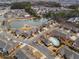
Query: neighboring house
x,y
68,53
74,19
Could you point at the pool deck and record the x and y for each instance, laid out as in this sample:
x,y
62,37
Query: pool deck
x,y
27,18
25,28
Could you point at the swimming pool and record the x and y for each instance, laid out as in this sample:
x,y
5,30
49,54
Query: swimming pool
x,y
54,41
2,18
20,23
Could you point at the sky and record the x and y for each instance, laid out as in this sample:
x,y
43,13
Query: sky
x,y
62,1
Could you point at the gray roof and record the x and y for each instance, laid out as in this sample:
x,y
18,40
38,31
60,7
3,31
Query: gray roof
x,y
70,54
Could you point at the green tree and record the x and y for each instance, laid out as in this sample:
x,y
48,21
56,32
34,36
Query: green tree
x,y
75,6
47,15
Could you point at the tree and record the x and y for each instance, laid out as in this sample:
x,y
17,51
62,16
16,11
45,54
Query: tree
x,y
75,6
48,4
72,13
26,6
53,4
47,15
32,12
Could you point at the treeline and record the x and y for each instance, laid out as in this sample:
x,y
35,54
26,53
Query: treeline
x,y
24,5
5,4
74,6
20,5
63,14
48,4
